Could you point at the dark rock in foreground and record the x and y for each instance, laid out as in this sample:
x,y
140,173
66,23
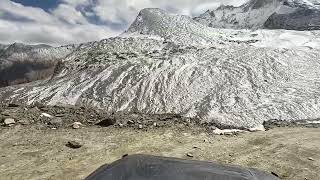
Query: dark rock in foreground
x,y
144,167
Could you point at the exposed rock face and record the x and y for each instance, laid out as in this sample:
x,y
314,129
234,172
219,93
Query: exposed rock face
x,y
168,63
270,14
20,63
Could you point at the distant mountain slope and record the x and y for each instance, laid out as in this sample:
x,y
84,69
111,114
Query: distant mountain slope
x,y
169,63
20,63
270,14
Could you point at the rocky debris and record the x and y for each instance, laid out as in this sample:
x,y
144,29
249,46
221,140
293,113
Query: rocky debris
x,y
9,122
190,155
227,131
140,126
76,125
46,115
258,128
107,122
55,122
74,145
130,122
282,123
275,174
13,105
310,159
121,125
125,155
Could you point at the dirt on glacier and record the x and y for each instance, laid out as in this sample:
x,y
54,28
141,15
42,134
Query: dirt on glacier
x,y
35,146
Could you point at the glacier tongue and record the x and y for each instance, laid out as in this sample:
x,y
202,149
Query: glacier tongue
x,y
171,64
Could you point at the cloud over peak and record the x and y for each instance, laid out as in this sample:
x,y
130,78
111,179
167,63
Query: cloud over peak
x,y
76,21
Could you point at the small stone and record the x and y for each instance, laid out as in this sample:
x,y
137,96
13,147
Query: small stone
x,y
130,122
125,155
155,124
107,122
46,115
140,126
310,159
56,122
258,128
275,174
24,122
76,125
189,155
205,140
121,125
74,145
9,122
13,105
59,115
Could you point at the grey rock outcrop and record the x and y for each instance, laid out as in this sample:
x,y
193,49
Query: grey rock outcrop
x,y
20,63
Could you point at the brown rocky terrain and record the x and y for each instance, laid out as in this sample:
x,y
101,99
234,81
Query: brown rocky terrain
x,y
45,142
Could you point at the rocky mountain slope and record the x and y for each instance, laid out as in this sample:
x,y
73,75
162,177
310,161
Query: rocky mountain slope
x,y
167,63
270,14
20,63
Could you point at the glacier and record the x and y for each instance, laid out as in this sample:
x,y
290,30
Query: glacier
x,y
167,63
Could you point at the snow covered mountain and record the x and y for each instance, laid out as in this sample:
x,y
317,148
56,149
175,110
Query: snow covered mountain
x,y
270,14
166,63
20,63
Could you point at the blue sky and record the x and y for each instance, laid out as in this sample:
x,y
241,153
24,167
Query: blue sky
x,y
59,22
43,4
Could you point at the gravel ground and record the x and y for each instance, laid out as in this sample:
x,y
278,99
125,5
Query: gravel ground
x,y
28,152
36,147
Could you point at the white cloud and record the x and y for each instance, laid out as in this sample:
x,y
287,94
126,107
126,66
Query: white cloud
x,y
69,14
64,25
68,22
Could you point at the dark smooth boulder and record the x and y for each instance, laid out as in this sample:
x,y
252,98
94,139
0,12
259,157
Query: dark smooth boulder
x,y
145,167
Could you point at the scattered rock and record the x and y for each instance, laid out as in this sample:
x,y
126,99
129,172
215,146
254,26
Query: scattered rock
x,y
46,115
130,122
310,159
76,125
38,105
258,128
275,174
190,155
9,122
60,115
125,155
56,122
107,122
12,105
140,126
155,124
24,122
226,131
73,145
121,125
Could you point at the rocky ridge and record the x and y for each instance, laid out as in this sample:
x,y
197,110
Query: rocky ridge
x,y
20,63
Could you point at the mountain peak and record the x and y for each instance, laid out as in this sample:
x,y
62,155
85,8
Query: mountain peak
x,y
271,14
